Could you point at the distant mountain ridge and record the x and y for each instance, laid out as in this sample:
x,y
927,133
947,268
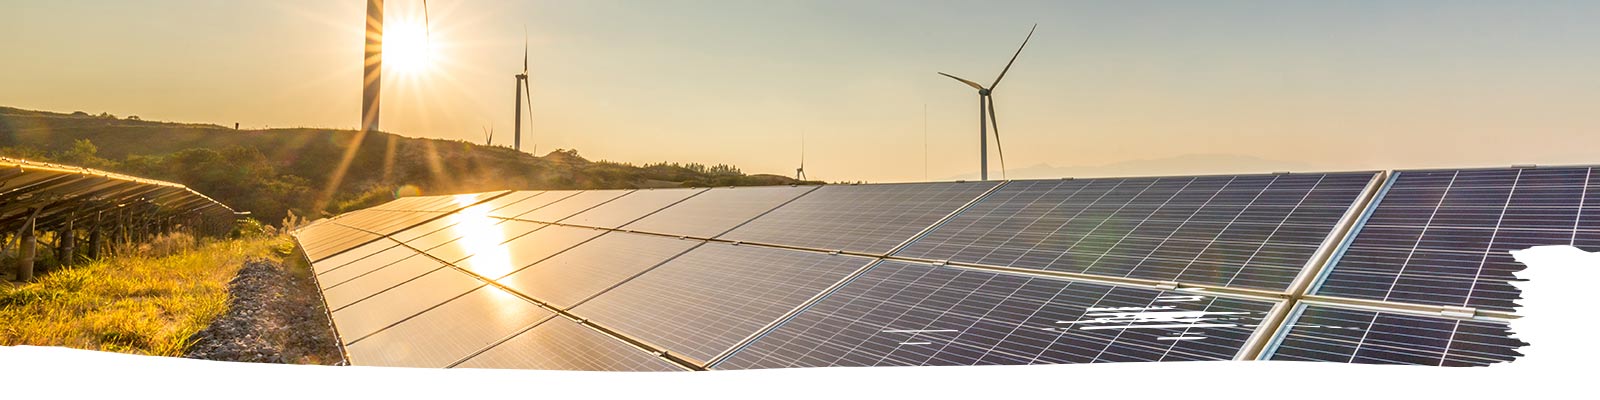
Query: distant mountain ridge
x,y
272,171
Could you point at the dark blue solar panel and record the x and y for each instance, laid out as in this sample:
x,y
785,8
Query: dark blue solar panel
x,y
706,301
1368,337
862,218
1255,231
901,313
1444,237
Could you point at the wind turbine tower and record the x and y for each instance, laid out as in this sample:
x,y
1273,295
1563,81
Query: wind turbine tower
x,y
372,62
986,114
522,84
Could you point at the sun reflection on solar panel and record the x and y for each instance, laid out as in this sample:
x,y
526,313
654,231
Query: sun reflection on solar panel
x,y
482,236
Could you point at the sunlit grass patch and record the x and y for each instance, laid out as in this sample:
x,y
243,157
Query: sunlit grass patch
x,y
143,304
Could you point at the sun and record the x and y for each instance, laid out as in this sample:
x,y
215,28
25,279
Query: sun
x,y
406,47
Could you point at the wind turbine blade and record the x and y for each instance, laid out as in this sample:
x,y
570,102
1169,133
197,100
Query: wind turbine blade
x,y
1014,57
524,49
974,85
427,26
995,121
527,93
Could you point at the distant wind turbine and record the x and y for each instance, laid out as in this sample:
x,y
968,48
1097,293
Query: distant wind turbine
x,y
488,136
986,113
800,173
522,83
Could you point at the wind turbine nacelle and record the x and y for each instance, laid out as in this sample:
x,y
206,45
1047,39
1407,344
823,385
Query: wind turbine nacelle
x,y
983,92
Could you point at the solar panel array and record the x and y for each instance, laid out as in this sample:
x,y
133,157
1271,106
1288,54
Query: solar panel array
x,y
1268,266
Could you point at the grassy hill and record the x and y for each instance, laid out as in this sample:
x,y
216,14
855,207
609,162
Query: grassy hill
x,y
272,171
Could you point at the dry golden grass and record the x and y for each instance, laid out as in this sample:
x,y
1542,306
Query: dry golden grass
x,y
149,302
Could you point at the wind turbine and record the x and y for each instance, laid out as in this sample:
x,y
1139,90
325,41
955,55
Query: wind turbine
x,y
986,113
522,83
488,136
800,173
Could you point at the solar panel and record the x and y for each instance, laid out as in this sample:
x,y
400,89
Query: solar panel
x,y
717,210
530,204
1252,231
557,211
564,345
450,332
352,255
706,301
331,239
393,305
630,207
900,313
479,236
1318,333
524,250
346,288
1443,237
365,265
869,219
571,277
947,280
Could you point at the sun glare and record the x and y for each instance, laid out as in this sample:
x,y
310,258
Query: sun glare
x,y
406,47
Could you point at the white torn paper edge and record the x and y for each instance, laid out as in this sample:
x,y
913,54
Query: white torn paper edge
x,y
1558,363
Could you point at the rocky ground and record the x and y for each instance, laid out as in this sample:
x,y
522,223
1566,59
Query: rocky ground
x,y
275,315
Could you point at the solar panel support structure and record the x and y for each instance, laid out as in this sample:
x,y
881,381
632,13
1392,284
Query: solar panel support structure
x,y
1319,261
28,247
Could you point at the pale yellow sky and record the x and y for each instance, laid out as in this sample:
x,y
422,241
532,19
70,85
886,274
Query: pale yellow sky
x,y
1313,85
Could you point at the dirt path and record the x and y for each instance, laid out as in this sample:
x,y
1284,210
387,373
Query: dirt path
x,y
275,315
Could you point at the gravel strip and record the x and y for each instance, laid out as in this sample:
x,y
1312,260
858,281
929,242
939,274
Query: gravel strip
x,y
274,315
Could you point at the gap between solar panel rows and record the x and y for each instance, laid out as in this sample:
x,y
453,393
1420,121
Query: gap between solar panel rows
x,y
821,236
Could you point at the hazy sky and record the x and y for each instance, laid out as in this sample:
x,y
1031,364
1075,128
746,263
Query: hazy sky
x,y
1317,84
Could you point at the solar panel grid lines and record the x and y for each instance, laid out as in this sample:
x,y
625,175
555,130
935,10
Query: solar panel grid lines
x,y
451,330
1333,333
760,332
1300,213
862,219
573,276
566,344
1327,252
1442,237
475,199
367,258
486,282
572,205
707,300
717,211
345,290
630,207
977,322
397,304
1145,227
545,199
1359,208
